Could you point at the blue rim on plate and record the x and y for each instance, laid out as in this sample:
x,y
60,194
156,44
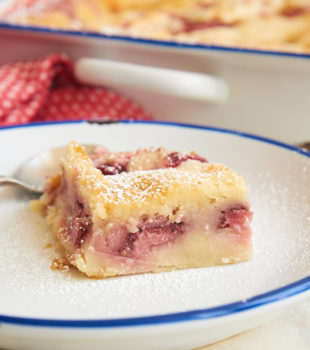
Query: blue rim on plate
x,y
152,42
263,299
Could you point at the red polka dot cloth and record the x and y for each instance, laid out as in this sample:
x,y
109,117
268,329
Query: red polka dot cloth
x,y
46,90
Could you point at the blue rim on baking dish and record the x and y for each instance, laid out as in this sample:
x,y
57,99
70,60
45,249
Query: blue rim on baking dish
x,y
152,42
279,294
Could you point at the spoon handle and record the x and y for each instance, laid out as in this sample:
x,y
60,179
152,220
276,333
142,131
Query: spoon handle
x,y
5,180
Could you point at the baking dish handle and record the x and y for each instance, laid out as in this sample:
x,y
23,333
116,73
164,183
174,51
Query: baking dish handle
x,y
176,83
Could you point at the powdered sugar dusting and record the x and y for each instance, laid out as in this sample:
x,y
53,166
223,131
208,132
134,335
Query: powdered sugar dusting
x,y
142,185
281,255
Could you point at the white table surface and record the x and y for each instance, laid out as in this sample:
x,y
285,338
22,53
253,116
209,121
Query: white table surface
x,y
291,331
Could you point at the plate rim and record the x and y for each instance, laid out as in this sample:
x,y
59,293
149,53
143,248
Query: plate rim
x,y
273,296
152,42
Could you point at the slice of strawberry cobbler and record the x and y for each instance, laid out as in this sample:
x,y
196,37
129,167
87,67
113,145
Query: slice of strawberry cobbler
x,y
146,211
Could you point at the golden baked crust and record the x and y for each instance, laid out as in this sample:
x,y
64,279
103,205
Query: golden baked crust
x,y
139,191
270,25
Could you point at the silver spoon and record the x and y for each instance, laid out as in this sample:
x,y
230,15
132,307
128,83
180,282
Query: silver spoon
x,y
31,175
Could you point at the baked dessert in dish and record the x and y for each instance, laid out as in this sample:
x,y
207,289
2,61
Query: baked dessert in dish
x,y
147,211
282,25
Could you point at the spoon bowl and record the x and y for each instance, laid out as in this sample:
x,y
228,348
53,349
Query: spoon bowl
x,y
31,174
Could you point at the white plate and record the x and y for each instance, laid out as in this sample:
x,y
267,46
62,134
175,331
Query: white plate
x,y
45,309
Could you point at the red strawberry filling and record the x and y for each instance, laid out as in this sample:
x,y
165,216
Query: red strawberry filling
x,y
237,219
174,159
191,26
81,225
111,169
116,163
292,11
111,163
150,234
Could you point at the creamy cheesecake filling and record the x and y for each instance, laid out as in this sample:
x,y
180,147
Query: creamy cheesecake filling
x,y
152,234
141,237
155,232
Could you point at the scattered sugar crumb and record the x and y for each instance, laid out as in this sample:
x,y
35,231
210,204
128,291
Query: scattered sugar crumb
x,y
60,264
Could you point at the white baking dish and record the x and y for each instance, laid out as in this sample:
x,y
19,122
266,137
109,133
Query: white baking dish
x,y
264,93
